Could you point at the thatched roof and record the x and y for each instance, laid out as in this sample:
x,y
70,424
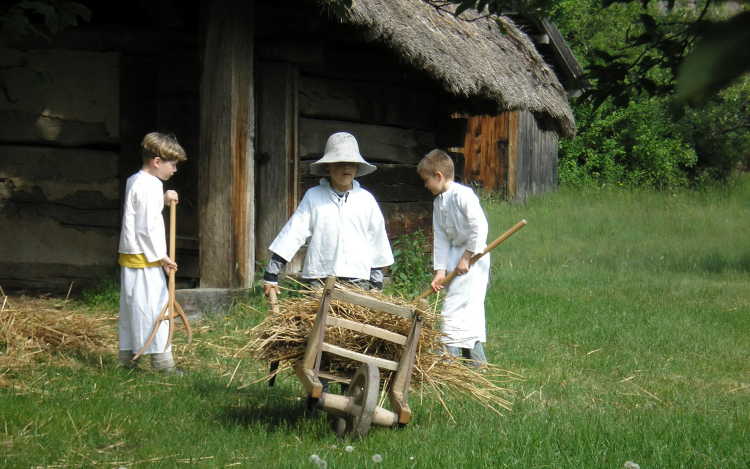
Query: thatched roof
x,y
471,59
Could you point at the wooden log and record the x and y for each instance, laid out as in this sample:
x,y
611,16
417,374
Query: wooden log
x,y
226,205
82,108
128,39
73,165
277,161
379,144
371,102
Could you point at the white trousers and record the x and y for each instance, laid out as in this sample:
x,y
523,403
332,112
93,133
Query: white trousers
x,y
143,294
462,316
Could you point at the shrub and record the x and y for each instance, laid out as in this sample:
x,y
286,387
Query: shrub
x,y
634,146
411,271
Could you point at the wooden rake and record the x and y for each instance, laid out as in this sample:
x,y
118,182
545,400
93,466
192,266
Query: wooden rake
x,y
475,258
172,309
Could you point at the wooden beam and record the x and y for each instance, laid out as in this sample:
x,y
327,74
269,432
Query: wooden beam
x,y
377,143
226,204
367,329
277,160
512,152
360,357
540,38
369,302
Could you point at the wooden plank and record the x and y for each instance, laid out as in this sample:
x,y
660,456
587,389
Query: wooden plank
x,y
367,329
128,39
377,143
226,204
371,102
406,218
360,357
278,163
318,331
512,165
72,165
369,302
313,386
138,108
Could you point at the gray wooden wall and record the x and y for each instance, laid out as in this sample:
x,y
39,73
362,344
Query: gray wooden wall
x,y
59,184
536,164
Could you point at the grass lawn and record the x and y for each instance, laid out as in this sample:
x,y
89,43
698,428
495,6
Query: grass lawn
x,y
626,312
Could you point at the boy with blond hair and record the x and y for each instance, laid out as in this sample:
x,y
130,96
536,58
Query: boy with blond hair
x,y
460,229
143,254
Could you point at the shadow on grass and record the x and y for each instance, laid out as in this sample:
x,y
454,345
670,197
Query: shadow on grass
x,y
279,407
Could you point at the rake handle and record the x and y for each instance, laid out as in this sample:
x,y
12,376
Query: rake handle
x,y
475,258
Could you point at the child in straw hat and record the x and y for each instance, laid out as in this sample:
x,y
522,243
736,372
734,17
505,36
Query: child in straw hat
x,y
343,222
460,229
143,254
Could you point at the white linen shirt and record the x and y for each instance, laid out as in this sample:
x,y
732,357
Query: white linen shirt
x,y
458,220
347,234
142,222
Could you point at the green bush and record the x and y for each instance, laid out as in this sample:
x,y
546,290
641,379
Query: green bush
x,y
411,271
634,146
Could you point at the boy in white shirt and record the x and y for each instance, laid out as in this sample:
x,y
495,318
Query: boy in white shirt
x,y
460,229
343,222
143,254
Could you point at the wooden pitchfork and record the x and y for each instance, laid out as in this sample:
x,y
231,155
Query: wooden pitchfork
x,y
172,309
475,258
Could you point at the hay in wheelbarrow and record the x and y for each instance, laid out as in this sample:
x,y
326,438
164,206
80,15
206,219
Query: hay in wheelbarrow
x,y
282,337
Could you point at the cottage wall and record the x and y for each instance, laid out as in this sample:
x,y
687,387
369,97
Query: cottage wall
x,y
343,84
59,185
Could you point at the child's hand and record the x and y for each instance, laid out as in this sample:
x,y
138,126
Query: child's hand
x,y
168,264
267,287
169,196
440,275
463,265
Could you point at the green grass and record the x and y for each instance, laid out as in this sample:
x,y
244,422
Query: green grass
x,y
627,313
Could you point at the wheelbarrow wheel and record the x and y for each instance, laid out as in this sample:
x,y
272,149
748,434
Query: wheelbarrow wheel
x,y
364,389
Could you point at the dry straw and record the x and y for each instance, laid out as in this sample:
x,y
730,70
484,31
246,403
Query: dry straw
x,y
36,328
282,338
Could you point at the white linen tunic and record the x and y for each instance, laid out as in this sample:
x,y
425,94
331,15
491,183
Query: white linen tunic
x,y
459,224
347,234
142,222
143,292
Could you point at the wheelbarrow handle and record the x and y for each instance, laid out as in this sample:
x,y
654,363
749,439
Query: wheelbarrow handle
x,y
475,258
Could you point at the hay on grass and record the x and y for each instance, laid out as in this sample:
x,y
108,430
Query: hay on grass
x,y
39,328
282,338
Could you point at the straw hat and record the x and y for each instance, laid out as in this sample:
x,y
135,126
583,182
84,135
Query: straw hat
x,y
341,147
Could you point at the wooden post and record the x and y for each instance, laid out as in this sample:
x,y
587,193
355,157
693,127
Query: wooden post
x,y
226,202
278,178
512,153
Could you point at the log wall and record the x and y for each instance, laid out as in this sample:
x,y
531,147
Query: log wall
x,y
345,85
537,144
59,174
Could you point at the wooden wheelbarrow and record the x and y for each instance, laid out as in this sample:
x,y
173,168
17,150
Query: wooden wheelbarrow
x,y
357,410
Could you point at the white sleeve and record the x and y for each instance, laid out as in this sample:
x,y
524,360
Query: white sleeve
x,y
382,255
295,232
478,227
149,224
441,245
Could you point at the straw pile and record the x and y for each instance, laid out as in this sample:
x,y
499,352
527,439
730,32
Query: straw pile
x,y
282,337
36,328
